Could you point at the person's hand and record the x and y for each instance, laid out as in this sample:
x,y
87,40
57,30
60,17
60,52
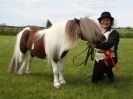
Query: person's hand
x,y
92,45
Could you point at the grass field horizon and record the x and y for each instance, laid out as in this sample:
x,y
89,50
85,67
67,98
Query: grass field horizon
x,y
39,84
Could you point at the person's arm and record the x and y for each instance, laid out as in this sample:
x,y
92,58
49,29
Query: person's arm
x,y
112,40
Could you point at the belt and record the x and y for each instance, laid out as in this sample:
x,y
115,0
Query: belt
x,y
101,56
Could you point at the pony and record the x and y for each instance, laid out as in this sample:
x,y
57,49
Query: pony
x,y
52,44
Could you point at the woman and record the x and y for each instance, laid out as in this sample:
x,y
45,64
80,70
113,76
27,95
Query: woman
x,y
104,64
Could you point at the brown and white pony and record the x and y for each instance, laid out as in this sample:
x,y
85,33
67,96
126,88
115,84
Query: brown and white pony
x,y
52,43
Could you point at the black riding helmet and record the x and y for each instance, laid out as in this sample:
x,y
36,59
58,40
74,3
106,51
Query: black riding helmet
x,y
105,15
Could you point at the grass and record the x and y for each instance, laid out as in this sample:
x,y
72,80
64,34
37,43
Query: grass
x,y
39,84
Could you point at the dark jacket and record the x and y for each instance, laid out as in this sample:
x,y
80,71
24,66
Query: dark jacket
x,y
113,40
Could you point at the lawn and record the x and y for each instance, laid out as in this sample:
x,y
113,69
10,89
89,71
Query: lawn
x,y
39,84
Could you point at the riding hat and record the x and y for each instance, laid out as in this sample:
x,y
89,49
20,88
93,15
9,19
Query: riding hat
x,y
106,15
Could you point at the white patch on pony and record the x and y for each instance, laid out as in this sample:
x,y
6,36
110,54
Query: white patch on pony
x,y
40,34
55,39
32,46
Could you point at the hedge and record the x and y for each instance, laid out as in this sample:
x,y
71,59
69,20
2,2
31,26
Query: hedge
x,y
124,32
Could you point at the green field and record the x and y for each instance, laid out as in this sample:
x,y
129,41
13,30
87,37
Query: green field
x,y
39,84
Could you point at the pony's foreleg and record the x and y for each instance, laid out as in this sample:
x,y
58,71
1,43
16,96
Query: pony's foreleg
x,y
28,69
61,71
56,74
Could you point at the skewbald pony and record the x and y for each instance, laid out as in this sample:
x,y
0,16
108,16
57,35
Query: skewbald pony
x,y
52,43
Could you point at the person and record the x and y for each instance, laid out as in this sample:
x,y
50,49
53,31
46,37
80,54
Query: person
x,y
103,64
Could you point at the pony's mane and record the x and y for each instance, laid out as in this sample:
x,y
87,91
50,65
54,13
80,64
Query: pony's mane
x,y
89,29
72,30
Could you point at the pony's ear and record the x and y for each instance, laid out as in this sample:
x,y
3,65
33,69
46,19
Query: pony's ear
x,y
76,20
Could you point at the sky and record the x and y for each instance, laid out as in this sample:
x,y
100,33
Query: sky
x,y
37,12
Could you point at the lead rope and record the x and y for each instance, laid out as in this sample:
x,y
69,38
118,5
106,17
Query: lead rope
x,y
90,52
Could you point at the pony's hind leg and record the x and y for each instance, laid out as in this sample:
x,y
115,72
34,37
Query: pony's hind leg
x,y
61,71
29,62
20,71
23,62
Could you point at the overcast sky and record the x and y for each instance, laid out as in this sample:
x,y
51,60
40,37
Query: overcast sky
x,y
36,12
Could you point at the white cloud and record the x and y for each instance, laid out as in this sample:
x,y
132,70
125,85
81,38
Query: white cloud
x,y
23,12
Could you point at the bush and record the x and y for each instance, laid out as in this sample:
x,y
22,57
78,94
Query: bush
x,y
8,31
125,32
126,35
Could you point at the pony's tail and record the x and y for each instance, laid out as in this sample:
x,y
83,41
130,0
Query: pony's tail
x,y
14,65
17,57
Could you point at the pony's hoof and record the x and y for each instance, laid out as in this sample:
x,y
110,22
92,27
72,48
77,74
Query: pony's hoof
x,y
57,85
62,82
19,73
28,72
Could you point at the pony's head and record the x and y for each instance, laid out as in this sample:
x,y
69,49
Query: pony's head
x,y
83,28
90,30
